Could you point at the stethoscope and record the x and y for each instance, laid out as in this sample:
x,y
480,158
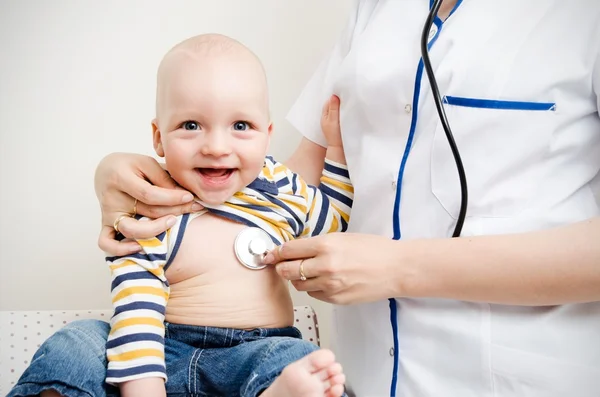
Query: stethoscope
x,y
464,193
250,247
252,244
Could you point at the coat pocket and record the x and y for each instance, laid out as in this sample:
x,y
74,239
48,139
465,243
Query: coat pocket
x,y
502,144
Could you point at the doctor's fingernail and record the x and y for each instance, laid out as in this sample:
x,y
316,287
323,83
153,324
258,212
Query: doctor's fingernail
x,y
136,247
187,198
196,207
268,259
171,221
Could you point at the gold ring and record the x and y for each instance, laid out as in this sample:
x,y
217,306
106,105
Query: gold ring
x,y
134,208
118,220
302,276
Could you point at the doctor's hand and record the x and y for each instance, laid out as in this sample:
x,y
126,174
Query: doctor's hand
x,y
128,184
343,268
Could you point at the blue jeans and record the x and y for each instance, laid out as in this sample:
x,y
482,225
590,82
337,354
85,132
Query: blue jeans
x,y
201,361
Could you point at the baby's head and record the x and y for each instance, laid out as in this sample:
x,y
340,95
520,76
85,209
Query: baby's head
x,y
212,122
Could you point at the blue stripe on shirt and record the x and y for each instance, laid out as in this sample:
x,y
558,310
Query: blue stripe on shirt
x,y
141,275
180,233
140,306
295,184
142,256
297,226
262,208
262,185
344,224
336,170
142,369
141,337
335,195
282,182
322,216
234,217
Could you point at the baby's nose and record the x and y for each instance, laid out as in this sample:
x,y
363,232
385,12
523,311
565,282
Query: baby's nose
x,y
216,146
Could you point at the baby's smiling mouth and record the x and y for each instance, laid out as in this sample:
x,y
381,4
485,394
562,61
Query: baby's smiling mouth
x,y
215,174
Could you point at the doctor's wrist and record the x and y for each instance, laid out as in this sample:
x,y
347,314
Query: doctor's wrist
x,y
413,268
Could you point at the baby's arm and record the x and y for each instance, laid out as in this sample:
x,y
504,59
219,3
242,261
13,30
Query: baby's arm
x,y
330,204
135,346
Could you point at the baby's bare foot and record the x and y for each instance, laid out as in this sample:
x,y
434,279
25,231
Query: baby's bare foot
x,y
316,375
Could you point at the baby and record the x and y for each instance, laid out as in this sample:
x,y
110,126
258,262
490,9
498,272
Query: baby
x,y
187,310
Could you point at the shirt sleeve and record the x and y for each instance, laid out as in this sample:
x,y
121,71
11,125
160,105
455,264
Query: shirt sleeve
x,y
329,204
139,292
305,113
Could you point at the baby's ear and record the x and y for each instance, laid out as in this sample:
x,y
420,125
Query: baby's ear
x,y
156,139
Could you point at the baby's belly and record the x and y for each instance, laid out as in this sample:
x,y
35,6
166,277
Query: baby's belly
x,y
210,287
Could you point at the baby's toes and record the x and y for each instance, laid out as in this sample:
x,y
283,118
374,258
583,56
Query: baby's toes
x,y
335,390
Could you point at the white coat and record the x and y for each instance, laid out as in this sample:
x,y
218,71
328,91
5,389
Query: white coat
x,y
521,81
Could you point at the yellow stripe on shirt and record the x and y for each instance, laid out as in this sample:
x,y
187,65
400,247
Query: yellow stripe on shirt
x,y
140,290
135,354
253,200
265,216
342,213
128,322
334,225
294,202
338,184
150,243
125,263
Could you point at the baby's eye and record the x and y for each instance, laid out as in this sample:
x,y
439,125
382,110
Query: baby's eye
x,y
190,125
241,126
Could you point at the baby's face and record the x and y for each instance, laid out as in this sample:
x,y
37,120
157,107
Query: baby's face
x,y
213,125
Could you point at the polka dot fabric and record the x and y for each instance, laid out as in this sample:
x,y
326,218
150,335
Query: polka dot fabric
x,y
22,332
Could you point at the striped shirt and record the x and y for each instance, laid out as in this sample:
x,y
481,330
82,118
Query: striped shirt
x,y
278,201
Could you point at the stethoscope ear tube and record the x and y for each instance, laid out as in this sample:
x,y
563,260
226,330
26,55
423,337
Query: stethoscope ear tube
x,y
464,193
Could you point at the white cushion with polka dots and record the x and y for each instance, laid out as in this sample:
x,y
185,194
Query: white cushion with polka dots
x,y
22,332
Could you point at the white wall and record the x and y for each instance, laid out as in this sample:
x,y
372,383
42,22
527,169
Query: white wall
x,y
77,82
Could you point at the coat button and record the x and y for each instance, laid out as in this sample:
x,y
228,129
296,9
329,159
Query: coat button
x,y
408,108
432,32
391,351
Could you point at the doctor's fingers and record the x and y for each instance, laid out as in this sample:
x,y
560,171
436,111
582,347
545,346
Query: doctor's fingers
x,y
290,270
301,270
157,211
308,275
145,228
294,249
110,245
116,203
148,182
327,284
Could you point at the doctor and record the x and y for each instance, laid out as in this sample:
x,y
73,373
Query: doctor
x,y
512,307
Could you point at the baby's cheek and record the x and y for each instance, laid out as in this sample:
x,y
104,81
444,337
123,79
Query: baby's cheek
x,y
253,168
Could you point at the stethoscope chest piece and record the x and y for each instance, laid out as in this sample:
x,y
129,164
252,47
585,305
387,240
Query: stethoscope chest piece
x,y
250,247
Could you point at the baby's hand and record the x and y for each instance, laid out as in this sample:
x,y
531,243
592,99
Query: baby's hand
x,y
330,122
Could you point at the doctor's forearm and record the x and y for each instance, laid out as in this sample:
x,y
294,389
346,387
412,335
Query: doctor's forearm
x,y
549,267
